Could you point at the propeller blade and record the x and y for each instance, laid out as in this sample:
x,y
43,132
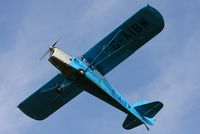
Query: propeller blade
x,y
55,43
49,50
45,54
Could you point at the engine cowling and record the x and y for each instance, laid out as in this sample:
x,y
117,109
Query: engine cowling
x,y
61,60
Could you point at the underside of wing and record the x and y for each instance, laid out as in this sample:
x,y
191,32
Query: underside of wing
x,y
46,100
125,40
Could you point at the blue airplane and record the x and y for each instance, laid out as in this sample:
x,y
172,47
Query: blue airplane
x,y
86,73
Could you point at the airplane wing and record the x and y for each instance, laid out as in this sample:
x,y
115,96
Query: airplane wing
x,y
125,40
46,100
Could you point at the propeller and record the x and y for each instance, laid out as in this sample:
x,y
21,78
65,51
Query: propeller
x,y
49,50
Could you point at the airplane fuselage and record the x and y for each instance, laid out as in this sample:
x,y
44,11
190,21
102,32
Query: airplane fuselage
x,y
99,85
96,84
92,81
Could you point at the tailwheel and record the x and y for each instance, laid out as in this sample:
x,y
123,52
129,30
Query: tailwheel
x,y
59,90
81,71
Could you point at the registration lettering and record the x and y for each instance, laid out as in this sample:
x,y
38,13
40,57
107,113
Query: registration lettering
x,y
129,34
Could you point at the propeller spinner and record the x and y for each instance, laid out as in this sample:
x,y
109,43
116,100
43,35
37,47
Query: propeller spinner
x,y
51,48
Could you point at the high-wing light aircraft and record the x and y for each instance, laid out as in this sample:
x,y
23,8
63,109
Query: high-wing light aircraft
x,y
86,73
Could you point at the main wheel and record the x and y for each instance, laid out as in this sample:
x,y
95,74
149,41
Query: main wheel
x,y
81,71
59,90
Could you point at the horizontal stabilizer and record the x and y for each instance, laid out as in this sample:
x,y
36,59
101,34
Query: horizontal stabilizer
x,y
145,110
150,109
131,122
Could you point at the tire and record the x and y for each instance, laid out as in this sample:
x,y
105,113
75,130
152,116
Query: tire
x,y
81,71
59,90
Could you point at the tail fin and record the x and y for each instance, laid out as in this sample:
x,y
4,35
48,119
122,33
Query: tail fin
x,y
145,110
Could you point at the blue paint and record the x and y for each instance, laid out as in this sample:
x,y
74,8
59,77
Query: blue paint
x,y
89,71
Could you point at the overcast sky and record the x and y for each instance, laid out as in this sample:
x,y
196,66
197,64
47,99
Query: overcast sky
x,y
165,69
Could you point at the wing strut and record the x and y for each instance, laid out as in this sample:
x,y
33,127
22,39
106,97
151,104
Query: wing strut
x,y
104,47
58,87
110,54
62,89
